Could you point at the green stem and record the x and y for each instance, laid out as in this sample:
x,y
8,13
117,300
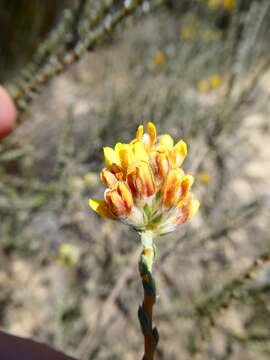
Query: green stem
x,y
145,312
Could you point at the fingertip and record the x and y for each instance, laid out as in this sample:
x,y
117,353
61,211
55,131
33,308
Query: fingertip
x,y
8,113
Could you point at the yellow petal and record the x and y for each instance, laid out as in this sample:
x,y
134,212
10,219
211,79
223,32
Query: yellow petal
x,y
152,132
165,141
139,151
110,156
124,154
181,146
139,133
195,205
100,207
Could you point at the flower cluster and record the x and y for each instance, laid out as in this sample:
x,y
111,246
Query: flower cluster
x,y
146,188
213,82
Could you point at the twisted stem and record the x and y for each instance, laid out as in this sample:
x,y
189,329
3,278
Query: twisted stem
x,y
145,312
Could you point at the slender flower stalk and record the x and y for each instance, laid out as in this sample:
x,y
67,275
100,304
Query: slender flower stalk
x,y
145,312
147,190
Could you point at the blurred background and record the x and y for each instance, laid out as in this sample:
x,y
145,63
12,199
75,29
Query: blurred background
x,y
198,69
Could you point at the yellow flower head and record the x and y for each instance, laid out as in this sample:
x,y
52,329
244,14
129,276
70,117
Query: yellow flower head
x,y
159,59
187,32
228,4
215,81
205,177
213,4
146,188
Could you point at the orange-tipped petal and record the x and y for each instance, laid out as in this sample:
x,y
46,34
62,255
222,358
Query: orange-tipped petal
x,y
172,188
119,200
125,194
115,202
160,163
140,179
188,209
101,207
109,176
186,183
185,210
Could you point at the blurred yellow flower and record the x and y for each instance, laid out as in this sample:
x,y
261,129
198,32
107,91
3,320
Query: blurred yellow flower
x,y
91,179
228,4
146,188
203,86
68,254
205,177
76,182
187,33
215,81
213,4
159,59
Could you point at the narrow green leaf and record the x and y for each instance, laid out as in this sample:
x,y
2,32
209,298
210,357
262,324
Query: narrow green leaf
x,y
145,326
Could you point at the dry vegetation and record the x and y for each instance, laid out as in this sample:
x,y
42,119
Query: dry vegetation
x,y
201,74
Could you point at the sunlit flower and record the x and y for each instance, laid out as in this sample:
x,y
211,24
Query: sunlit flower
x,y
146,188
215,81
213,4
228,4
159,59
205,177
